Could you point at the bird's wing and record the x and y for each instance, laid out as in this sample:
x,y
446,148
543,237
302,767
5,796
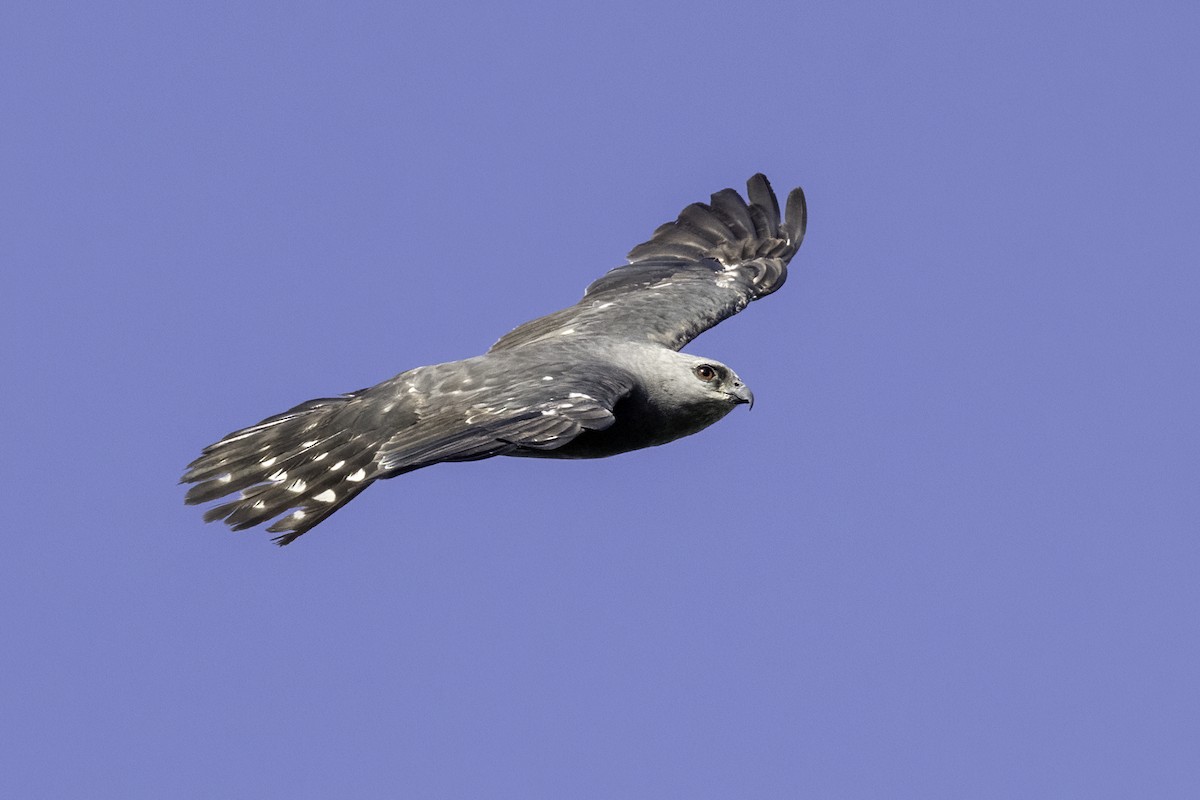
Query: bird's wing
x,y
705,266
483,409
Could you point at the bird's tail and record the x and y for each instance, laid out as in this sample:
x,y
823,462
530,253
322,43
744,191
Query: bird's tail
x,y
310,460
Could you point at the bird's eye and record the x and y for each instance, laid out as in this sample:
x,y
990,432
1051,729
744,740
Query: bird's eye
x,y
706,373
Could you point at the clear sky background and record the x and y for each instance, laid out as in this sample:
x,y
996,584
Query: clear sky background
x,y
953,551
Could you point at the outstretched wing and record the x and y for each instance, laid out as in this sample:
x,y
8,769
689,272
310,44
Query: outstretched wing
x,y
705,266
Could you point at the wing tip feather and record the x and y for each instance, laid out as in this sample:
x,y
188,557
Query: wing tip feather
x,y
731,227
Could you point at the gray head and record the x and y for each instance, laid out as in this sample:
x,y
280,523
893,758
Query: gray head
x,y
688,393
704,381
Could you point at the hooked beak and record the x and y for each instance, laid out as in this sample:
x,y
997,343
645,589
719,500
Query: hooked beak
x,y
743,394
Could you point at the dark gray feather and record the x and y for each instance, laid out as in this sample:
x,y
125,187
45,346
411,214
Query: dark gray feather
x,y
732,207
758,190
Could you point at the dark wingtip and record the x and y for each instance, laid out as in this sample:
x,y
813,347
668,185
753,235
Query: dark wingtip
x,y
796,217
760,194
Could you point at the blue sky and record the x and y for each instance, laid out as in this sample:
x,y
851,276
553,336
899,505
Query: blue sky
x,y
952,552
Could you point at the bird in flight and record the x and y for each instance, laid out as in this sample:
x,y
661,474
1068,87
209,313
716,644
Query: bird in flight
x,y
601,377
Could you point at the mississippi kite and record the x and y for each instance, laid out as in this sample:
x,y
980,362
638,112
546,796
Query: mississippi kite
x,y
601,377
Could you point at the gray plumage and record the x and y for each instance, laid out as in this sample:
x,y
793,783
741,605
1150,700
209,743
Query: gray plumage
x,y
601,377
